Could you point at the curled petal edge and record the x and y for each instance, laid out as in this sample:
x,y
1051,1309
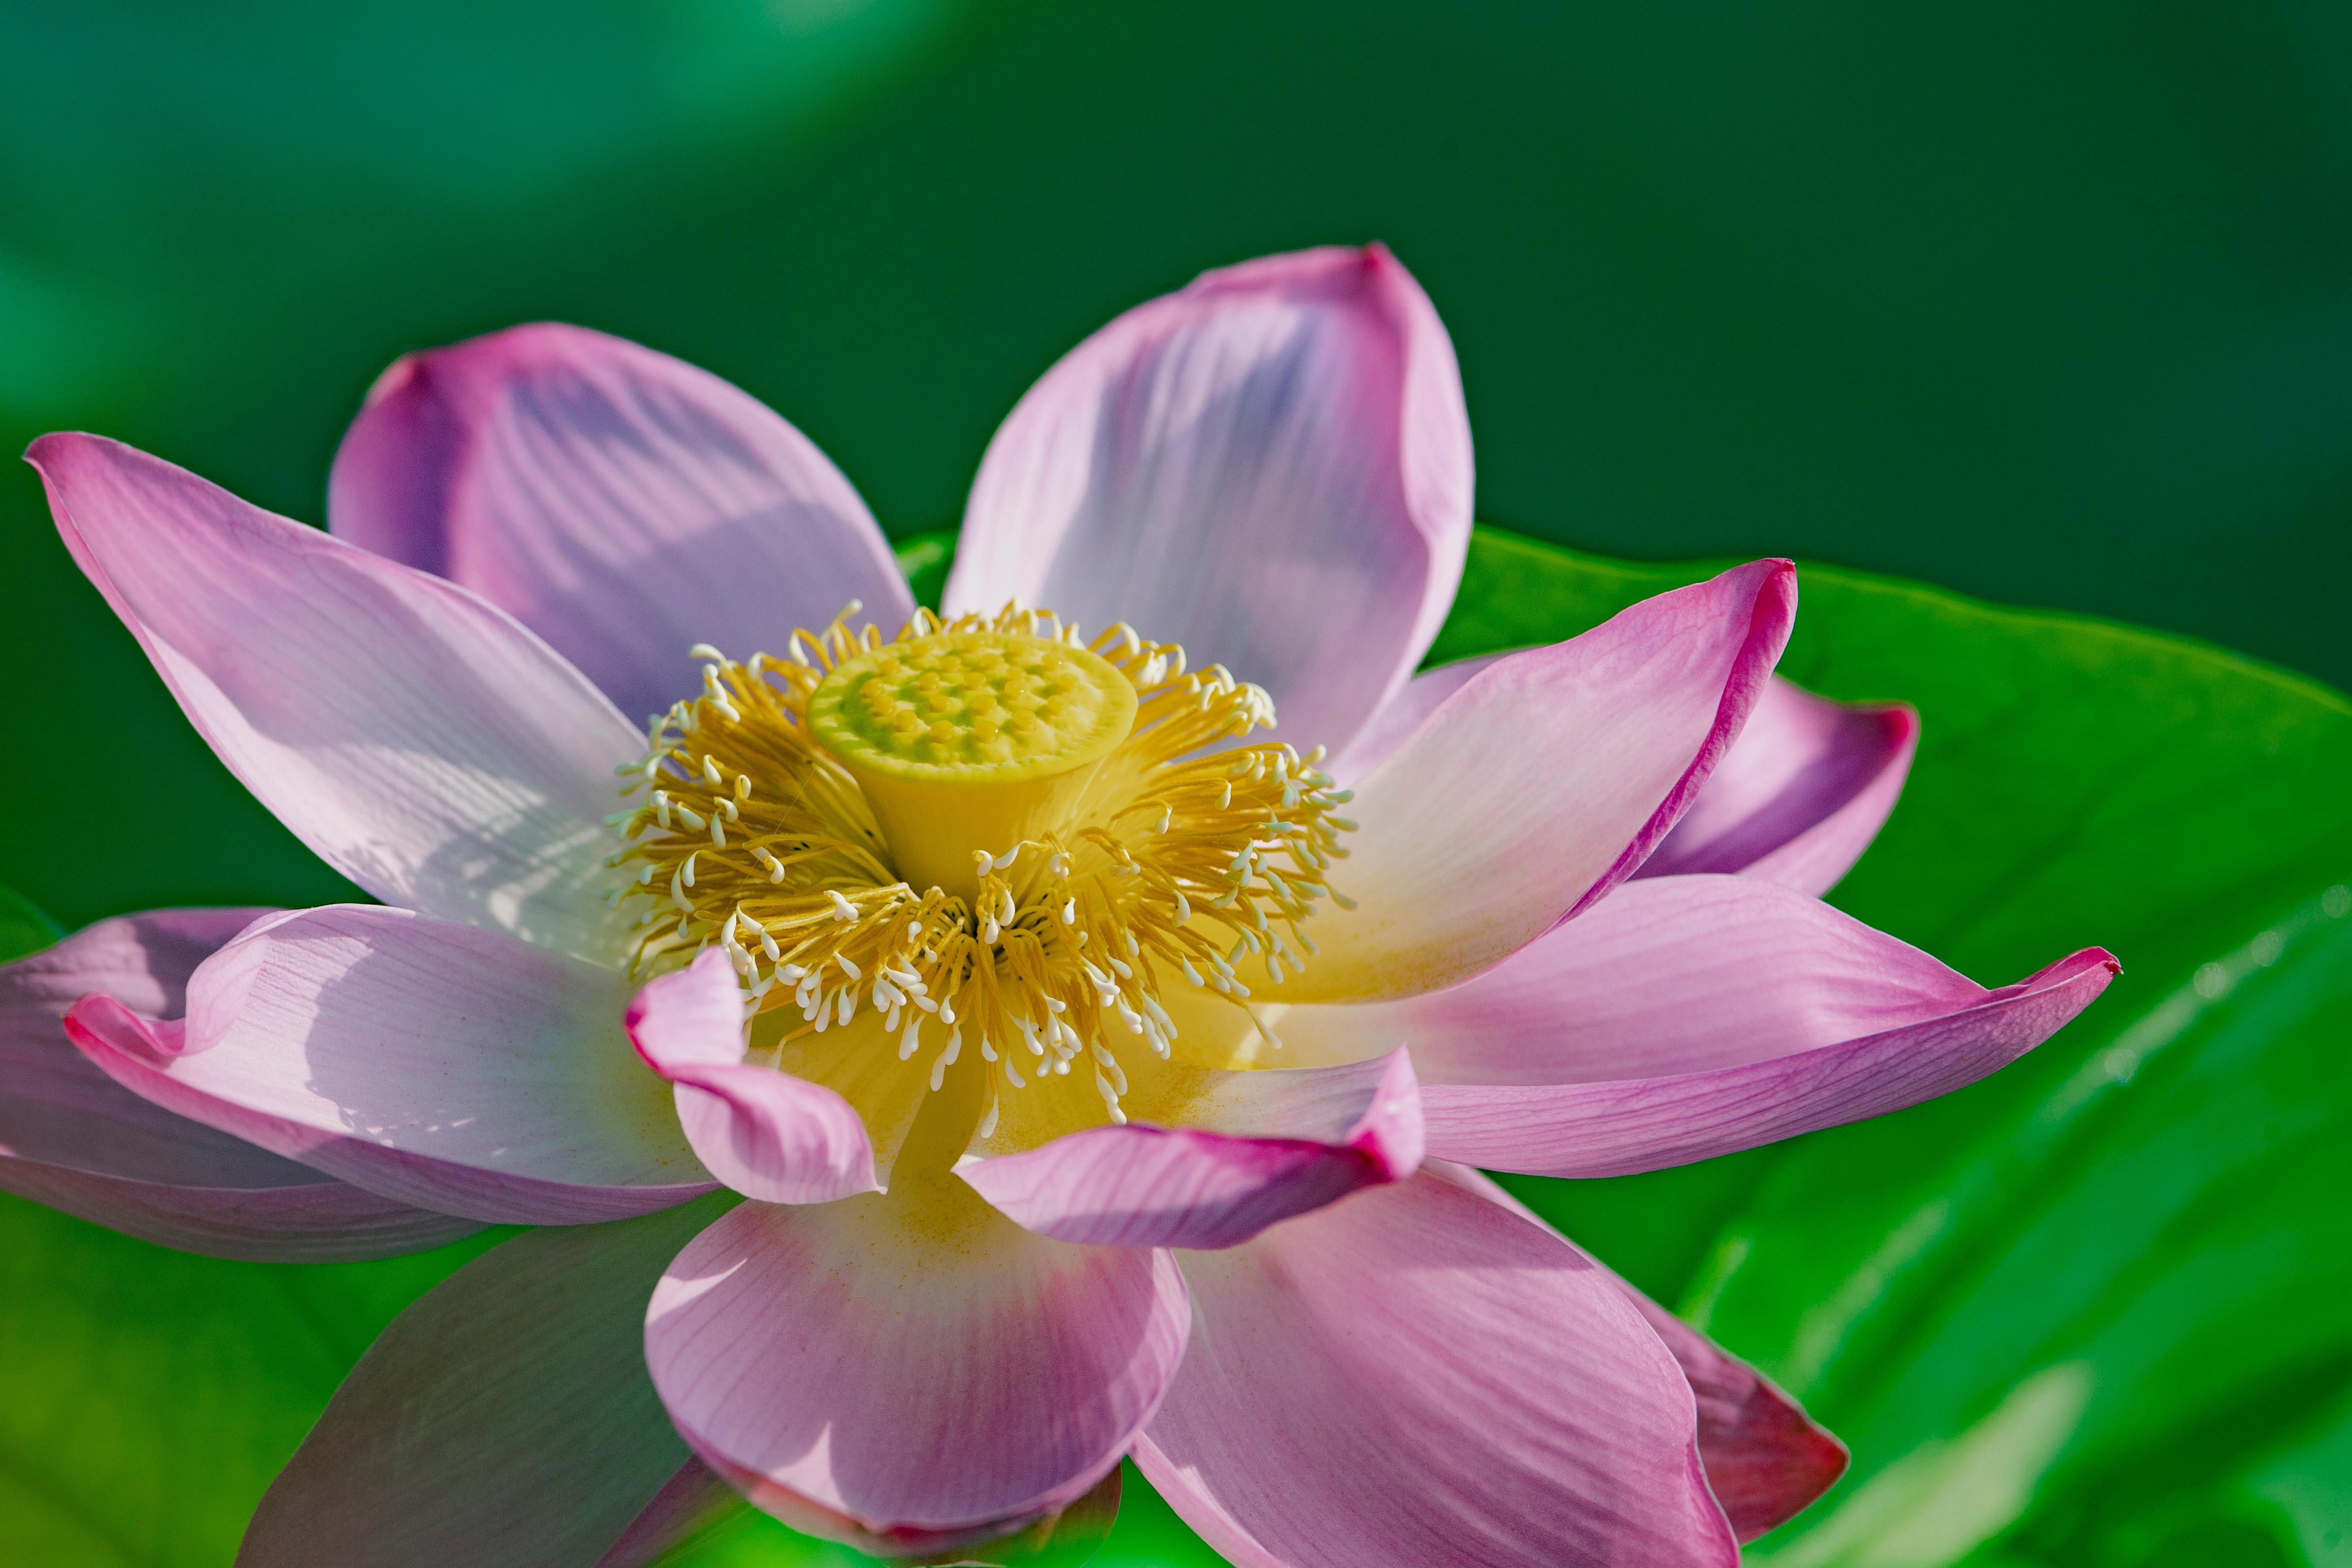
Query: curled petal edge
x,y
1201,1187
764,1133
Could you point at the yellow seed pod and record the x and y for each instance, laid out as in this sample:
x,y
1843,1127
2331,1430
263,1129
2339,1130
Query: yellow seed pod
x,y
969,741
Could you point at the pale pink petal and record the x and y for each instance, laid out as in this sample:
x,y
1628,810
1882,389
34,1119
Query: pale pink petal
x,y
1765,1460
910,1373
1539,783
1407,709
504,1420
622,503
1689,1017
72,1138
424,744
440,1065
1419,1378
766,1134
1254,1147
1271,467
1798,796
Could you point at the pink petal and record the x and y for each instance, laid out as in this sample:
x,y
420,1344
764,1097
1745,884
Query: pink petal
x,y
910,1373
435,1063
1688,1016
420,742
1798,796
72,1138
504,1420
1765,1460
1541,783
1666,976
622,503
1419,1376
1796,799
1271,467
766,1134
1261,1147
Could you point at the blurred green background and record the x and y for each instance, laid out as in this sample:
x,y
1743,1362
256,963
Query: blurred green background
x,y
2045,303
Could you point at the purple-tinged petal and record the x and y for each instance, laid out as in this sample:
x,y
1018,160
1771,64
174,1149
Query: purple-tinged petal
x,y
1437,1383
72,1138
620,503
306,1218
1765,1460
418,740
910,1373
504,1420
1539,783
142,961
766,1134
1798,796
439,1064
58,1109
1690,1017
1252,1148
1271,467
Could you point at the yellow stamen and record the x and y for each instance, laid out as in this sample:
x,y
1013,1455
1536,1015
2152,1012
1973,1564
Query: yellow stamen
x,y
1005,841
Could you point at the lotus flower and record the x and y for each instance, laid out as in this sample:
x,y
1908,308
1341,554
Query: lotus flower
x,y
1099,1027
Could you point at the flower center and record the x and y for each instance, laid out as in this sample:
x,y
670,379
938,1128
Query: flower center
x,y
994,835
964,742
